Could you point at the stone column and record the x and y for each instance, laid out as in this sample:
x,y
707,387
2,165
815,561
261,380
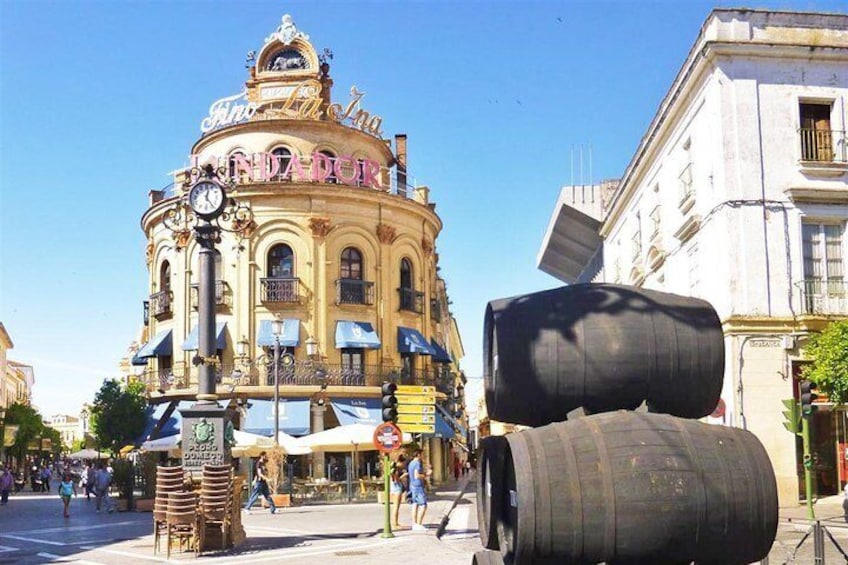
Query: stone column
x,y
317,426
437,460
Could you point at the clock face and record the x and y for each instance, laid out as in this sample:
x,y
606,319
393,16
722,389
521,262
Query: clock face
x,y
206,198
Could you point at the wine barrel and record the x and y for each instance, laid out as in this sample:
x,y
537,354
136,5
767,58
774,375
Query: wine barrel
x,y
486,557
489,481
630,487
602,347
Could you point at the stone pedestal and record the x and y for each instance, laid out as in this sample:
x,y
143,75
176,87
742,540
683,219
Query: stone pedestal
x,y
204,433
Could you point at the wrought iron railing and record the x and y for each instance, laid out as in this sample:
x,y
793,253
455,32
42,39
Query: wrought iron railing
x,y
301,373
280,289
823,296
161,304
354,291
223,295
411,300
823,146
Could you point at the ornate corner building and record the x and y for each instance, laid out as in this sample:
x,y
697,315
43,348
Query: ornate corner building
x,y
333,237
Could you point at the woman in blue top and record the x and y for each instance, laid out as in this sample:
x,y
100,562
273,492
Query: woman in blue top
x,y
66,489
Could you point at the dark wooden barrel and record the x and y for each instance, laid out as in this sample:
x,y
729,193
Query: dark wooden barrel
x,y
602,347
489,481
486,557
630,487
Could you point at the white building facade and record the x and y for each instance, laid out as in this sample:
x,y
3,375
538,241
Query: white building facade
x,y
738,194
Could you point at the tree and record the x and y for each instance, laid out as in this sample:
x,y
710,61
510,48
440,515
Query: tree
x,y
829,354
118,414
30,427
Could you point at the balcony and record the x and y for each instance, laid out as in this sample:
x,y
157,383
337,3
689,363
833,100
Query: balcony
x,y
223,296
354,291
302,373
411,300
822,297
280,290
823,146
161,304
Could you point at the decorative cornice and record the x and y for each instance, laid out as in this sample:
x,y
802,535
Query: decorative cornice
x,y
386,234
320,226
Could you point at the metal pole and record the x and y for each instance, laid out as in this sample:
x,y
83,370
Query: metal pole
x,y
387,525
206,235
276,390
808,466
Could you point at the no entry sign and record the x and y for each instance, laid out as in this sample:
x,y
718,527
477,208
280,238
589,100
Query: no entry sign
x,y
387,437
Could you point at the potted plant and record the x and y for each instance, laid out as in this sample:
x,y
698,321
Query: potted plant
x,y
279,486
123,481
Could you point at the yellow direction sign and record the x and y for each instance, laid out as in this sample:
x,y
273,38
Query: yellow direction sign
x,y
416,399
414,389
416,418
416,409
418,428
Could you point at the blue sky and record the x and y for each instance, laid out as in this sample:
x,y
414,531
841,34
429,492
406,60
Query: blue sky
x,y
100,100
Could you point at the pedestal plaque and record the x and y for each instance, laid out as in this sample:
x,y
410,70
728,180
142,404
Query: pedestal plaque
x,y
206,437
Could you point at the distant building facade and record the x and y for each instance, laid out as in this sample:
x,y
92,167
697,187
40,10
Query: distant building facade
x,y
738,194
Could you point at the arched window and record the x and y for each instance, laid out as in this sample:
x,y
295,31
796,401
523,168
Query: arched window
x,y
232,169
281,262
409,299
351,264
331,178
351,289
165,276
284,157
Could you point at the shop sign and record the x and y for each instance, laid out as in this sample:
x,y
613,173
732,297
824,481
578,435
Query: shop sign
x,y
269,167
302,101
228,111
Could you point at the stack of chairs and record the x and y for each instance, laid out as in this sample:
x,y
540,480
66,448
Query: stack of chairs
x,y
216,503
183,521
168,480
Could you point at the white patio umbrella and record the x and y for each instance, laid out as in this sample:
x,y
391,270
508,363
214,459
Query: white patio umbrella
x,y
88,454
292,445
162,444
358,437
247,445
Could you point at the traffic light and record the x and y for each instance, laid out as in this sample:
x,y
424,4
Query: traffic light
x,y
389,402
792,415
808,396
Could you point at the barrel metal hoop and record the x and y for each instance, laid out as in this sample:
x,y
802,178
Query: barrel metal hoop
x,y
573,489
542,496
608,487
695,457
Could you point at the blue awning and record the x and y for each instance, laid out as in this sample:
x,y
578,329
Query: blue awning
x,y
169,427
441,355
136,360
358,411
411,341
158,346
294,417
443,429
190,344
290,337
460,429
356,334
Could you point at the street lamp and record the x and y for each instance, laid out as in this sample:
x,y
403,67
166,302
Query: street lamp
x,y
277,330
311,347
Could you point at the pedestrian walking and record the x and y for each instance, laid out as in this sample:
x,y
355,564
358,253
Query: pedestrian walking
x,y
46,474
457,467
260,484
66,489
398,478
102,480
89,480
6,482
417,483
